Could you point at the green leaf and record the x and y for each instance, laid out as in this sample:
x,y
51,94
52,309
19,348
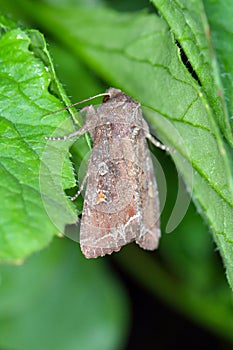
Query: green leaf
x,y
30,178
59,300
220,14
189,24
147,64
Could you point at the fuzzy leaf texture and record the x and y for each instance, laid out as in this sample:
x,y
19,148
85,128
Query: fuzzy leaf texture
x,y
26,77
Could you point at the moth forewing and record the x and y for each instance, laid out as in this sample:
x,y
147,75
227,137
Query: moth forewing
x,y
149,235
111,216
149,208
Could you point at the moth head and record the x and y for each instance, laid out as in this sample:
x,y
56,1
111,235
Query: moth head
x,y
116,95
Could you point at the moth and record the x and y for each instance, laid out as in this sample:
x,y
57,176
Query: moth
x,y
121,201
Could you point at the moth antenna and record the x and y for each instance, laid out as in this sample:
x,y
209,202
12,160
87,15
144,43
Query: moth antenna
x,y
77,103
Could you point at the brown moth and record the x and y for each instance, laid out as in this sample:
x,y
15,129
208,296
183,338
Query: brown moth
x,y
121,201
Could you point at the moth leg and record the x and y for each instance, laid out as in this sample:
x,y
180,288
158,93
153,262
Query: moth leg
x,y
80,189
157,143
153,140
85,128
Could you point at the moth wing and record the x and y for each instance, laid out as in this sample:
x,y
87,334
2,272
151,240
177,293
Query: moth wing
x,y
148,237
110,216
